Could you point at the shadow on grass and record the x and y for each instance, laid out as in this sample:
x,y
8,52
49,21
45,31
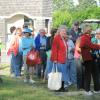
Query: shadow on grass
x,y
16,89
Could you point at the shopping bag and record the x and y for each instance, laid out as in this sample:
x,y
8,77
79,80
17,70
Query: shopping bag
x,y
54,79
33,58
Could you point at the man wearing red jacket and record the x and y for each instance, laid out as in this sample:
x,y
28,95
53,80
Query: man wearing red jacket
x,y
86,47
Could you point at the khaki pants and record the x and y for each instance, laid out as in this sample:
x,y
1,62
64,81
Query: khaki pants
x,y
28,70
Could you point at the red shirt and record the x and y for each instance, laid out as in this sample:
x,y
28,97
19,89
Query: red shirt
x,y
58,51
86,46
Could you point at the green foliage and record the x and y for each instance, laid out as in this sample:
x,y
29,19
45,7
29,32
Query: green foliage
x,y
2,46
61,18
64,5
86,9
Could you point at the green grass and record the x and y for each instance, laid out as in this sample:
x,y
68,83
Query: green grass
x,y
2,46
16,89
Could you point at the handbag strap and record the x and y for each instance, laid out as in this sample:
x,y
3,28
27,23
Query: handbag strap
x,y
54,68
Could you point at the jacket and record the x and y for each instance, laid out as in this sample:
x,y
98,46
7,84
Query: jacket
x,y
37,42
86,46
58,50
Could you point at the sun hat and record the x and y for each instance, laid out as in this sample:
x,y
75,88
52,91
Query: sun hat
x,y
27,30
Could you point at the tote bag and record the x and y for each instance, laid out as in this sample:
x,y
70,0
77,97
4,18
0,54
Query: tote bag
x,y
33,58
54,79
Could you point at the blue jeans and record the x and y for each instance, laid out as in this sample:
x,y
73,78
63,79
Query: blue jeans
x,y
71,71
48,67
62,69
11,64
17,62
80,73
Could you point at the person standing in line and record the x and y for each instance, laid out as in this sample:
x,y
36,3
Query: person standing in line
x,y
96,53
41,46
9,42
86,46
75,31
48,52
71,68
59,54
15,51
79,65
27,45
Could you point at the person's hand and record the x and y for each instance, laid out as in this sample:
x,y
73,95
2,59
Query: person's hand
x,y
55,61
72,50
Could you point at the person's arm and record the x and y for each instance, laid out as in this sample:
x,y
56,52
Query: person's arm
x,y
72,46
54,50
37,43
88,44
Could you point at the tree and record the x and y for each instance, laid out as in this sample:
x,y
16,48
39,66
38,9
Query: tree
x,y
66,13
63,5
84,4
60,17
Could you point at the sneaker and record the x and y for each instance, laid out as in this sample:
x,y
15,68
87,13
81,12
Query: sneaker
x,y
96,92
69,83
12,76
31,81
65,86
89,93
25,80
19,77
62,90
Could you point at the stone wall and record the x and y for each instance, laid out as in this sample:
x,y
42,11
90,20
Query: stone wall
x,y
2,30
32,7
38,11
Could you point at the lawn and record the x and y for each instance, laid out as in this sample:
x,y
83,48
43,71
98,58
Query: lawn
x,y
16,89
2,45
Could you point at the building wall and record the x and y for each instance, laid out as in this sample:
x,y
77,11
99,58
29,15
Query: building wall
x,y
32,7
2,30
17,21
37,10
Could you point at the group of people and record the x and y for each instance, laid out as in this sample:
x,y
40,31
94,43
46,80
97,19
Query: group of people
x,y
74,52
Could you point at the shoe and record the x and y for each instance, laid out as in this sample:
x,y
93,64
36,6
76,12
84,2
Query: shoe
x,y
25,80
69,83
96,92
65,86
65,89
89,93
12,76
18,77
31,81
62,90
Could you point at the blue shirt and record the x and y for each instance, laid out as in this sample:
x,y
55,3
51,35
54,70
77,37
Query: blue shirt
x,y
95,41
43,41
70,47
27,44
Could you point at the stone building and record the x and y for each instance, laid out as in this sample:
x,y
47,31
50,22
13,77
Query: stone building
x,y
34,13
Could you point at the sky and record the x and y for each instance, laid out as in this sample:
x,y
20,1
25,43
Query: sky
x,y
75,2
